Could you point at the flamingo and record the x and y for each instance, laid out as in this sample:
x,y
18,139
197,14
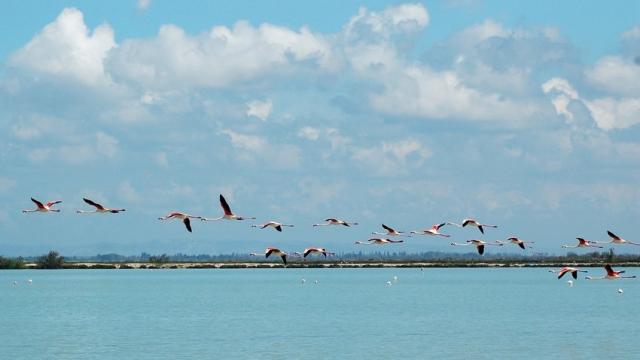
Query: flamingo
x,y
611,275
478,243
574,272
319,250
228,214
615,239
378,241
99,208
517,241
181,216
40,207
332,221
278,252
433,231
276,225
390,231
472,222
582,243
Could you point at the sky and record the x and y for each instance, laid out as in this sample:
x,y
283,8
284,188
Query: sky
x,y
520,114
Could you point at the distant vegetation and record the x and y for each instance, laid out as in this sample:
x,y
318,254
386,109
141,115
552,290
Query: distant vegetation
x,y
11,263
161,259
52,260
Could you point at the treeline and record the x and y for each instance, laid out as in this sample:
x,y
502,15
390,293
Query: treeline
x,y
53,260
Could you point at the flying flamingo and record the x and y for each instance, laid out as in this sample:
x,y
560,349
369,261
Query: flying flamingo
x,y
378,241
228,214
181,216
615,239
332,221
310,250
611,275
433,231
390,231
99,208
478,243
517,241
277,252
40,207
582,243
574,272
472,222
276,225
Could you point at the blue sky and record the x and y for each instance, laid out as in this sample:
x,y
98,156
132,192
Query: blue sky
x,y
519,114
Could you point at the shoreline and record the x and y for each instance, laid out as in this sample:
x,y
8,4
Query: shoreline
x,y
320,265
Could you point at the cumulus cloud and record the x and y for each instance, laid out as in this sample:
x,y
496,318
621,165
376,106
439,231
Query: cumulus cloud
x,y
616,75
257,148
608,112
392,158
67,48
220,57
259,109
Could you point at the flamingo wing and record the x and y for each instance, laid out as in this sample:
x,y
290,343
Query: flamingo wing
x,y
187,223
38,203
269,252
93,203
387,228
521,244
51,203
279,228
614,236
481,249
225,206
609,270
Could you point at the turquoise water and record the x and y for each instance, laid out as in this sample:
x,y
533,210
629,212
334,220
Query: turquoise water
x,y
348,314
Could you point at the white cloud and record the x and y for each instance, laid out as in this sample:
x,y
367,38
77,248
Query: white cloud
x,y
66,48
608,112
218,58
259,109
616,75
254,148
144,4
309,133
252,143
392,158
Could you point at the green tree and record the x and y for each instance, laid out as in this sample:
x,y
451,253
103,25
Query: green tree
x,y
162,259
52,260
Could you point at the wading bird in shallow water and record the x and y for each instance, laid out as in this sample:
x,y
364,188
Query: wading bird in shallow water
x,y
615,239
332,221
611,275
390,231
583,243
228,214
181,216
99,208
478,243
318,250
276,225
574,272
40,207
517,241
378,241
433,231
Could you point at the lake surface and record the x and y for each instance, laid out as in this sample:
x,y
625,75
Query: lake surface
x,y
348,314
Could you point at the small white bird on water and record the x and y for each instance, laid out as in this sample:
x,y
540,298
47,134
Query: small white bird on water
x,y
620,291
570,282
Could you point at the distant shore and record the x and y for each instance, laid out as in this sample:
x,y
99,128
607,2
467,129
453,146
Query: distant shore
x,y
337,264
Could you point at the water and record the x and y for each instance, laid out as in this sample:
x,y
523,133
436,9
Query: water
x,y
348,314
